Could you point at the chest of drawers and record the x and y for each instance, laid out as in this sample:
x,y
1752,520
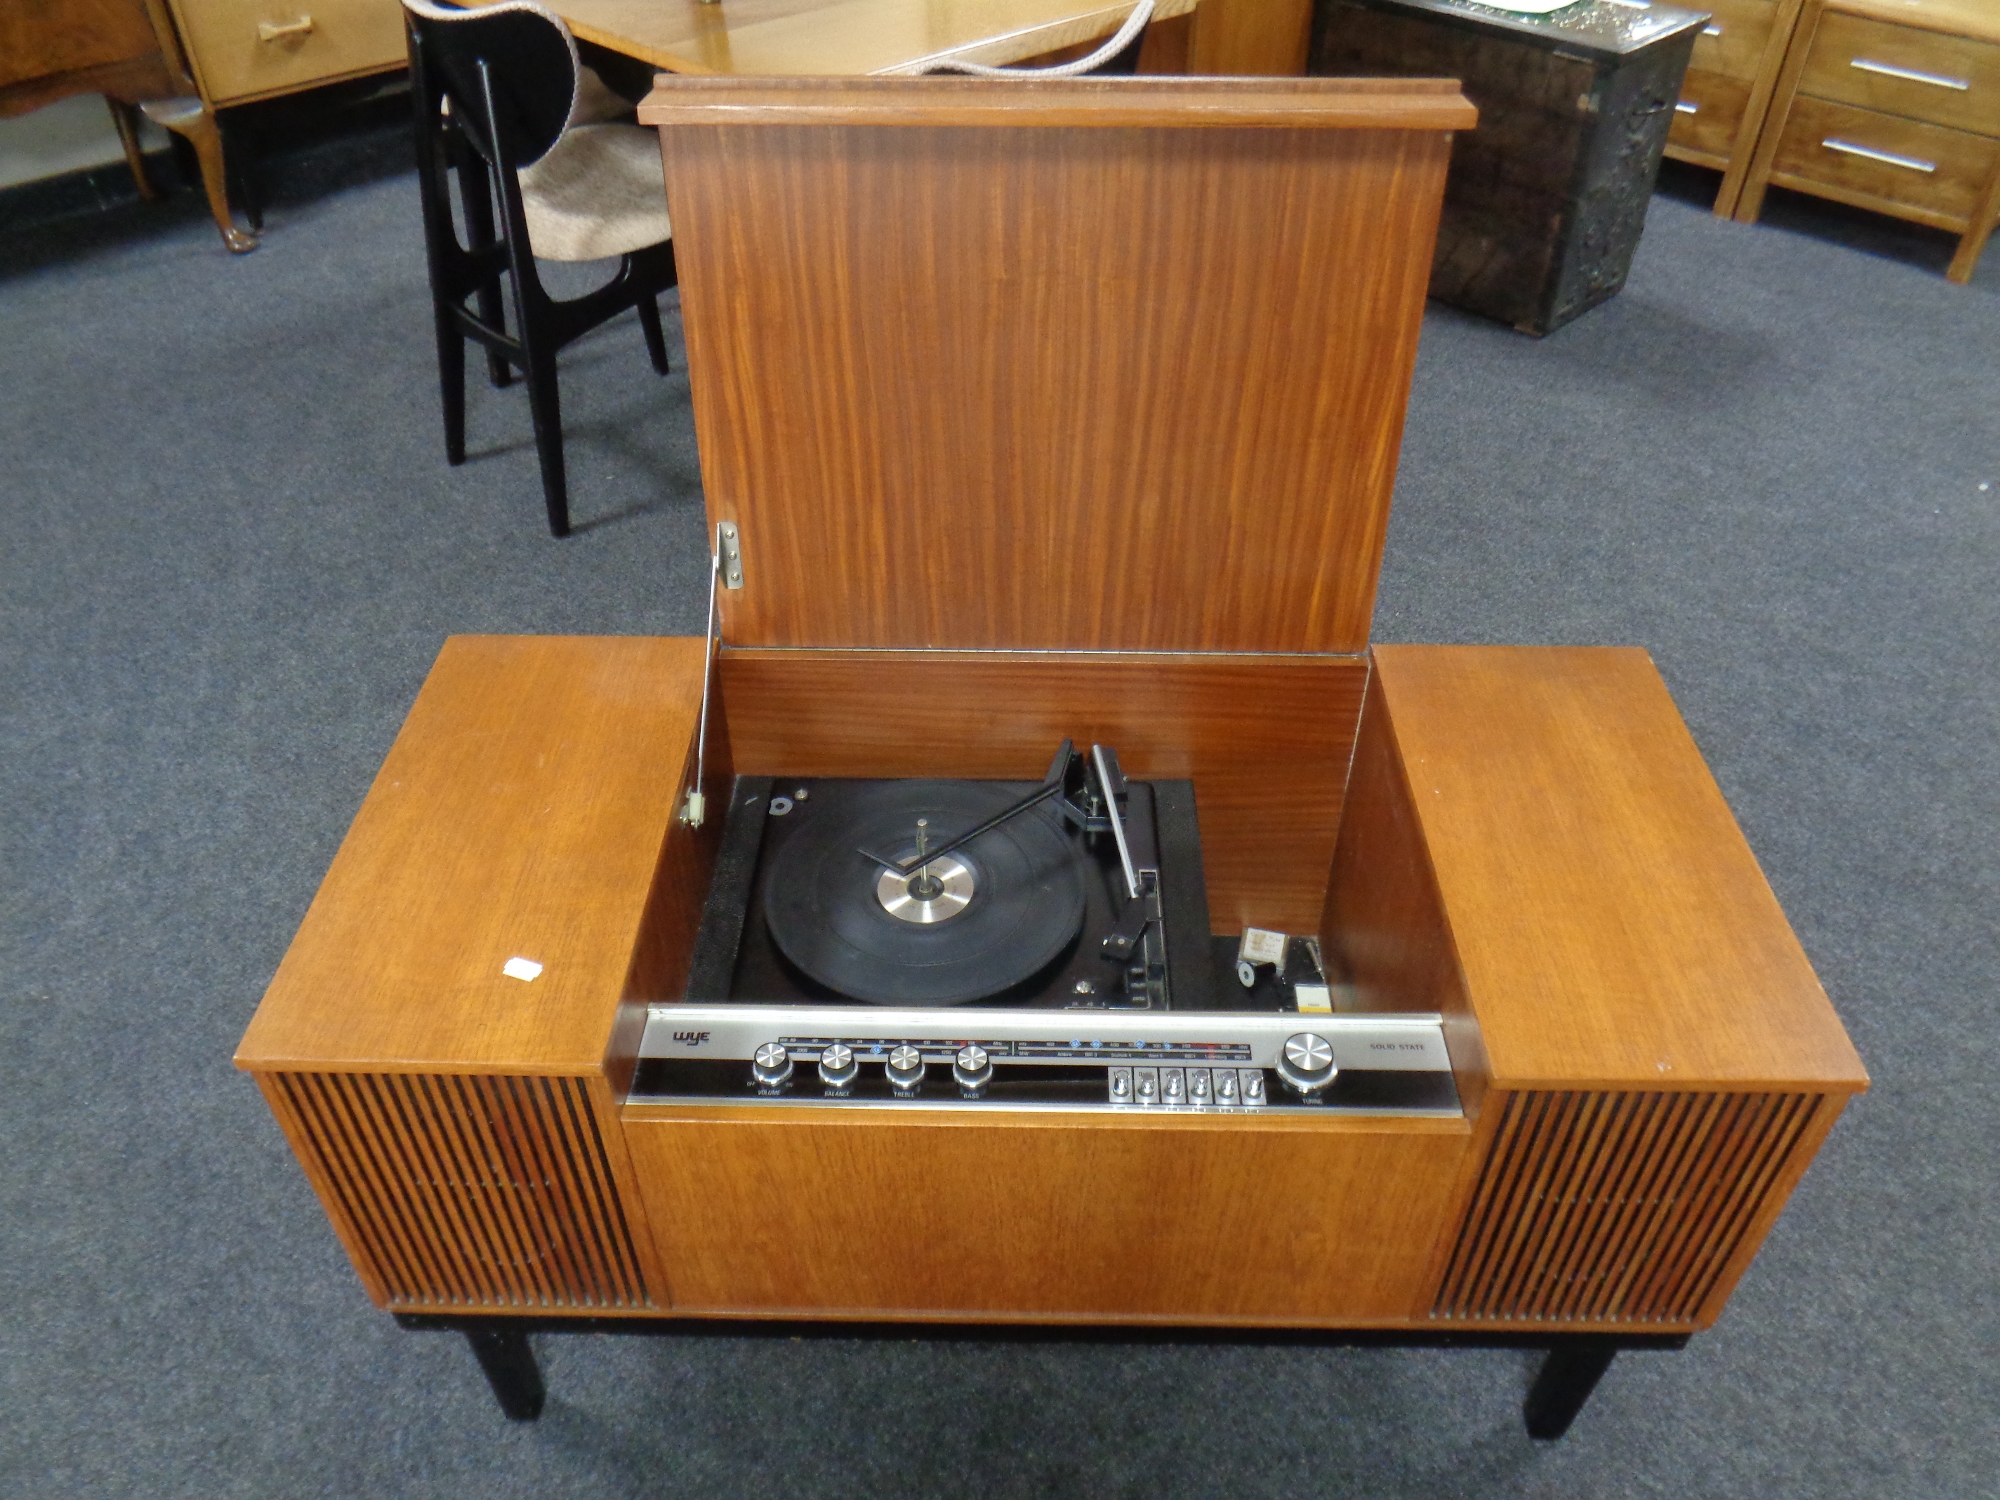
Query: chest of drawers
x,y
1728,87
1892,106
254,49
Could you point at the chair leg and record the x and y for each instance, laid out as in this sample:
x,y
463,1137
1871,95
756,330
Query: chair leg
x,y
451,388
547,407
656,339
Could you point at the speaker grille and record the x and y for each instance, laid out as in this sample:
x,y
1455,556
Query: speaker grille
x,y
468,1191
1616,1207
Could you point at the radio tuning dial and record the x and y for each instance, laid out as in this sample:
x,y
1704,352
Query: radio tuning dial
x,y
973,1069
837,1067
1306,1065
906,1071
771,1066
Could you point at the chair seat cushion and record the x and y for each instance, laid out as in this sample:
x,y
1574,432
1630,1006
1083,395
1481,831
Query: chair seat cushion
x,y
600,192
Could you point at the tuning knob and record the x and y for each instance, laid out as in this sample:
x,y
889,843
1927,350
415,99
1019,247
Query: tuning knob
x,y
973,1069
837,1067
771,1066
906,1071
1305,1063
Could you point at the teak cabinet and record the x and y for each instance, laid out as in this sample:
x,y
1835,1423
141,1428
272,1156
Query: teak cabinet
x,y
1727,91
888,288
1894,106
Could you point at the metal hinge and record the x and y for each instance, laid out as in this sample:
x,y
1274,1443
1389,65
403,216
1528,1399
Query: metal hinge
x,y
729,547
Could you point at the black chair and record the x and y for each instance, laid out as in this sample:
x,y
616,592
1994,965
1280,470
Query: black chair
x,y
503,104
1119,54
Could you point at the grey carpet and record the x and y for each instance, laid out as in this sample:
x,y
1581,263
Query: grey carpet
x,y
232,547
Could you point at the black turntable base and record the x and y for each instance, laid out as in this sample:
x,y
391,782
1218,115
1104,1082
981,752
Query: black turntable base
x,y
1024,895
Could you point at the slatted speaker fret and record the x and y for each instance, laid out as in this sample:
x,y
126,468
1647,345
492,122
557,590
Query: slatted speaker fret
x,y
468,1191
1617,1207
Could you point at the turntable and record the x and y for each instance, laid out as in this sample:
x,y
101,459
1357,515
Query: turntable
x,y
882,956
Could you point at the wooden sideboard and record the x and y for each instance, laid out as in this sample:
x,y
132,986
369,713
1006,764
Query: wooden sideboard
x,y
1892,106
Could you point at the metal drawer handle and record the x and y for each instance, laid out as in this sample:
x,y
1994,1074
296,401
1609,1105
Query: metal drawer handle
x,y
266,32
1913,163
1685,108
1910,75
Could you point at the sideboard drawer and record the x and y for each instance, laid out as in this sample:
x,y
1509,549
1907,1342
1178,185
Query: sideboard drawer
x,y
1933,174
1710,112
1733,41
1903,70
247,48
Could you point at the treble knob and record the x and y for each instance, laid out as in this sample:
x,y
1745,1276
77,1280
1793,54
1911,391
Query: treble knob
x,y
837,1067
1305,1063
973,1069
771,1066
906,1071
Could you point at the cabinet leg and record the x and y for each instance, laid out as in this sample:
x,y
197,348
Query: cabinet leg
x,y
126,118
1974,239
509,1363
1567,1378
192,120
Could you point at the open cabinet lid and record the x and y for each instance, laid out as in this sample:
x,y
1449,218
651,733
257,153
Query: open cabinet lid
x,y
1092,364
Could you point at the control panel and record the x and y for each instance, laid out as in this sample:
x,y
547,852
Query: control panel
x,y
1045,1059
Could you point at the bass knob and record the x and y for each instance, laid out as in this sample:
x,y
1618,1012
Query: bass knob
x,y
973,1069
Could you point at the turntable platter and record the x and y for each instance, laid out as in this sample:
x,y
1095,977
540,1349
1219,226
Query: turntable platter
x,y
1010,902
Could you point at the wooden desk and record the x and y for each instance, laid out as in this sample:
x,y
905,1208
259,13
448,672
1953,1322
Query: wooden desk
x,y
769,38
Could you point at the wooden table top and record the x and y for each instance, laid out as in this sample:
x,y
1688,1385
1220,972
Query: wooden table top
x,y
779,38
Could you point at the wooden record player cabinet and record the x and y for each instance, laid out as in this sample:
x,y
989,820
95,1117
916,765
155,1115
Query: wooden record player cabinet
x,y
1046,409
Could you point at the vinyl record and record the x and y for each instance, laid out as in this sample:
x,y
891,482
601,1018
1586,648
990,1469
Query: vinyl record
x,y
821,899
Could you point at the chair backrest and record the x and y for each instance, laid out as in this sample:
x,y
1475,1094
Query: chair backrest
x,y
1119,54
520,52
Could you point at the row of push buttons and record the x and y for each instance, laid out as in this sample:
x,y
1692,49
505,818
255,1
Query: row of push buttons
x,y
1196,1088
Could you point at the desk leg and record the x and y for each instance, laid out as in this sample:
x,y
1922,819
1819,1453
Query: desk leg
x,y
1568,1376
126,118
509,1363
194,123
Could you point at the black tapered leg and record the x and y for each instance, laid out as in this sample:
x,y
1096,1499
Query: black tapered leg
x,y
451,387
509,1363
1567,1378
546,404
656,339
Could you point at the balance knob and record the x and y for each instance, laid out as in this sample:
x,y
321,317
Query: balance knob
x,y
973,1069
771,1066
906,1071
1305,1063
837,1067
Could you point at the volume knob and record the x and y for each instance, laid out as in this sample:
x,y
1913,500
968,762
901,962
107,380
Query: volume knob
x,y
973,1069
837,1067
1305,1063
771,1066
906,1071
